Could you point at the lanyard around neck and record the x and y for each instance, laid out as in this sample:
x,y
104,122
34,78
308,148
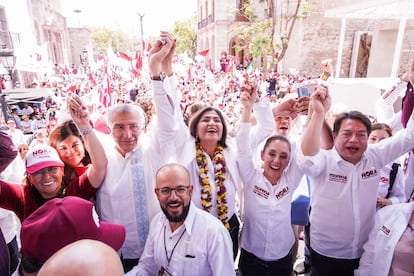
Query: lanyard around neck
x,y
172,251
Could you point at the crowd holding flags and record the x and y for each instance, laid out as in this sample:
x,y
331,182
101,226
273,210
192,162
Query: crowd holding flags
x,y
114,73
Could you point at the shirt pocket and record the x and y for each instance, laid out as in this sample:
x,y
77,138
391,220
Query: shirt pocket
x,y
192,265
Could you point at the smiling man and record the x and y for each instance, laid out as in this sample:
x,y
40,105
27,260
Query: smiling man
x,y
183,239
126,196
345,184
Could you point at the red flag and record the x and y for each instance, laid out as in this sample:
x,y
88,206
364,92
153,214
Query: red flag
x,y
92,79
138,64
204,52
149,47
3,85
134,72
72,88
125,56
105,93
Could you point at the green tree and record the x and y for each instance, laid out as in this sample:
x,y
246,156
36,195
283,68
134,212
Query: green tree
x,y
186,34
102,37
269,37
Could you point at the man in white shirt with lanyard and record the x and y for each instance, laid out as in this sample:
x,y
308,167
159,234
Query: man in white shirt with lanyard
x,y
127,196
183,239
345,183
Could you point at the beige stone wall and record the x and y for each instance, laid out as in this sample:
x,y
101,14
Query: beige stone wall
x,y
316,38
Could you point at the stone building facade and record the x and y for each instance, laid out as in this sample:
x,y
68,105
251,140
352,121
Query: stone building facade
x,y
34,23
367,49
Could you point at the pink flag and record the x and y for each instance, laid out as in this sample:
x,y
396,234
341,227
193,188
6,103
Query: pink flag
x,y
125,56
204,52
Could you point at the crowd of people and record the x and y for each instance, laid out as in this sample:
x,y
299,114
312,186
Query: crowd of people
x,y
195,174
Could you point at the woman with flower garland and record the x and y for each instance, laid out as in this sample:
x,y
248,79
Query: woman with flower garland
x,y
267,237
210,156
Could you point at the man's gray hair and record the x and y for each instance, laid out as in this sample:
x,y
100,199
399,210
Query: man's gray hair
x,y
126,108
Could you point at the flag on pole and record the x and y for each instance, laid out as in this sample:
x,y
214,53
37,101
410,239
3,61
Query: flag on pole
x,y
125,56
92,79
110,53
138,64
149,47
105,92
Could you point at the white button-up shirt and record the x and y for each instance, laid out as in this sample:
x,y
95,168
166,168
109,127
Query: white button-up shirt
x,y
267,230
390,224
115,198
344,195
202,247
397,194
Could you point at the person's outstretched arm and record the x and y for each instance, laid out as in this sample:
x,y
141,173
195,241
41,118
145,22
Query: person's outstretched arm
x,y
320,104
79,113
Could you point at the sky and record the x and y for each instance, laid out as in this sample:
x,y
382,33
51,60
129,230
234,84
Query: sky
x,y
123,14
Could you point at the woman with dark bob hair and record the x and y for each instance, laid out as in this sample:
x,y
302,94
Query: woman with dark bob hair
x,y
64,137
210,154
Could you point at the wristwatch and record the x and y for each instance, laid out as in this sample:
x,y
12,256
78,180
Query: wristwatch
x,y
160,77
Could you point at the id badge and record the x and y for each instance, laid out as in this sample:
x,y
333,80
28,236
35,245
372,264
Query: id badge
x,y
164,272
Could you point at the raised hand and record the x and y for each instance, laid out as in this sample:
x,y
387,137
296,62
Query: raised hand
x,y
78,111
250,88
321,100
160,56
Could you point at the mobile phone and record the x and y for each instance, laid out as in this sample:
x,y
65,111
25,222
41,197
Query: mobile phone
x,y
303,91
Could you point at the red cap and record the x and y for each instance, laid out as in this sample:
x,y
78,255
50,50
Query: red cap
x,y
61,221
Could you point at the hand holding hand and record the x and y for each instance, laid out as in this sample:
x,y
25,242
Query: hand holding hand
x,y
160,56
78,111
246,100
250,88
286,108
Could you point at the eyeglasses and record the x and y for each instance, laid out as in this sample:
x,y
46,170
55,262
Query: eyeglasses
x,y
166,191
49,170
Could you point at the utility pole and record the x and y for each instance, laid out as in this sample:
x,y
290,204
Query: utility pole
x,y
77,11
141,16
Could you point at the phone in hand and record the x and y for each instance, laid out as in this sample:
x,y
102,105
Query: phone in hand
x,y
303,91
